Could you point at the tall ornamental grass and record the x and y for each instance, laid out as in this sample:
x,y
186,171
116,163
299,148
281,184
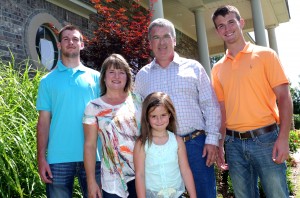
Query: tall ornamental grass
x,y
18,117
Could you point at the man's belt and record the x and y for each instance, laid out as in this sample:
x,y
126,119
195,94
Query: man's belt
x,y
192,135
251,133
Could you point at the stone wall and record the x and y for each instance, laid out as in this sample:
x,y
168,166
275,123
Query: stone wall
x,y
16,14
186,47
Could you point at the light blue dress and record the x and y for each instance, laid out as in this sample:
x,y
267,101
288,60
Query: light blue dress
x,y
162,174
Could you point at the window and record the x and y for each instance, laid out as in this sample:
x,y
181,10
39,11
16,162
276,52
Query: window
x,y
46,47
40,40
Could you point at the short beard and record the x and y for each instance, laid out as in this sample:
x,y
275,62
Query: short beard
x,y
70,55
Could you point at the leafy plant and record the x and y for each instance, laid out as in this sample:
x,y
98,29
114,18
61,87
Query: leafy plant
x,y
296,118
295,93
122,28
294,141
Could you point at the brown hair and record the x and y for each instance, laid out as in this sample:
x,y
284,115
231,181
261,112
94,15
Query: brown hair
x,y
69,27
224,10
116,61
152,101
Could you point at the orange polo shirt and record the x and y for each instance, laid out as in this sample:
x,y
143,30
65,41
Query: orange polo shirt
x,y
244,83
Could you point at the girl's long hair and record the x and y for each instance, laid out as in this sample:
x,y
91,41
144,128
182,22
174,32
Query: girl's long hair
x,y
152,101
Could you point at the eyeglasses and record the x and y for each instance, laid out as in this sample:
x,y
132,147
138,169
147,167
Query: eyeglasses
x,y
163,38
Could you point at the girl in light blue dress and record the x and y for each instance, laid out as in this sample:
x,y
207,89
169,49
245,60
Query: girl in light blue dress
x,y
161,165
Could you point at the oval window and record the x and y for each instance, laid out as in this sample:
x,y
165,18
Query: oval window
x,y
46,47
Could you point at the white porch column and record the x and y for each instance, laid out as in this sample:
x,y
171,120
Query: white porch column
x,y
258,22
202,39
272,38
158,10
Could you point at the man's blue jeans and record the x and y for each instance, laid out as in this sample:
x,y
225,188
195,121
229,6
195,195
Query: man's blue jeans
x,y
63,179
251,158
204,177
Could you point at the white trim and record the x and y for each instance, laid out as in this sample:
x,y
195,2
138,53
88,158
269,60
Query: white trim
x,y
76,7
83,5
31,31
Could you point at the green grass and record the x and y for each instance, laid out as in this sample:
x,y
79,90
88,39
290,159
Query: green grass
x,y
18,118
18,167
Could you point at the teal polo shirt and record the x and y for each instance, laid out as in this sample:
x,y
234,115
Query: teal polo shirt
x,y
65,92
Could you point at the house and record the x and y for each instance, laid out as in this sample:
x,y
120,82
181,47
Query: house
x,y
28,26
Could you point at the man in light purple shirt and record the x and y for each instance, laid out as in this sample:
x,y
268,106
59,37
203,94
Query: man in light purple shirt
x,y
189,87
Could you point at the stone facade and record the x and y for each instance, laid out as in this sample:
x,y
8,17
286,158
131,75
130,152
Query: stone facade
x,y
186,47
17,15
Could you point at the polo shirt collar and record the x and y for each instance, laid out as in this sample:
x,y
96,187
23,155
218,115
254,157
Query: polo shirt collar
x,y
247,49
176,61
61,67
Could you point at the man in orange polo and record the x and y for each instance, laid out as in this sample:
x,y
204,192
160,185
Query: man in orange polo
x,y
254,97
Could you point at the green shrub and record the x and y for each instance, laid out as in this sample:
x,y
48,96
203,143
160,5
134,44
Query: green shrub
x,y
297,121
294,141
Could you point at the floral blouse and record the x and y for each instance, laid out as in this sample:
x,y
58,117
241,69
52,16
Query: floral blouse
x,y
118,127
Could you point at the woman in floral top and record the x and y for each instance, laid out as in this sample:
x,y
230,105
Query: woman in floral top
x,y
115,116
